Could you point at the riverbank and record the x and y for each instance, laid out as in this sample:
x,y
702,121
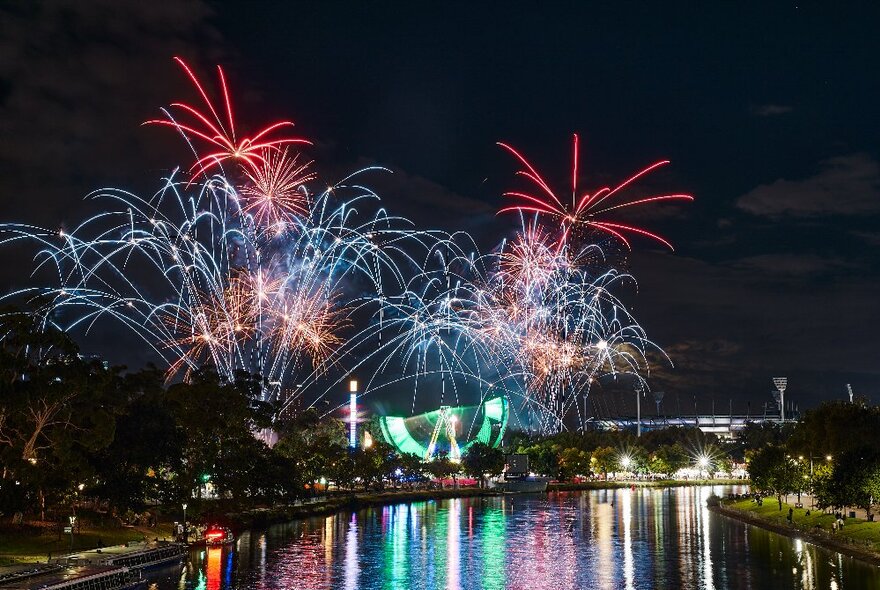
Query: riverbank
x,y
660,483
32,544
262,517
858,538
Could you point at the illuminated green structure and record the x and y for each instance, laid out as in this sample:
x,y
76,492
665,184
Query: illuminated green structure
x,y
439,429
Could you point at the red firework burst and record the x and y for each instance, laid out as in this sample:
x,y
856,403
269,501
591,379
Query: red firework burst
x,y
584,209
219,134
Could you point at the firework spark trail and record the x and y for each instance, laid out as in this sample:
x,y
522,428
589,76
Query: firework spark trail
x,y
228,298
529,320
219,134
253,272
276,190
585,210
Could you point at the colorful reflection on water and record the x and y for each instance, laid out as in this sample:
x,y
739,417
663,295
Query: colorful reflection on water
x,y
609,539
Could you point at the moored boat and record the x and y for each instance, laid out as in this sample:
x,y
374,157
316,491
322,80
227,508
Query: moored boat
x,y
58,577
524,485
218,535
516,478
131,555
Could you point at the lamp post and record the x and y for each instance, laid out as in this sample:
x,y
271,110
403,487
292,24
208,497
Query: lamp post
x,y
185,539
72,522
812,488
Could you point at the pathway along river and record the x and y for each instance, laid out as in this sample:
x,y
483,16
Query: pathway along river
x,y
648,538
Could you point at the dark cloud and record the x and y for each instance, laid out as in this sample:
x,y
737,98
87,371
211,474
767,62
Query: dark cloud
x,y
787,290
424,198
78,79
735,325
844,185
795,265
771,110
871,237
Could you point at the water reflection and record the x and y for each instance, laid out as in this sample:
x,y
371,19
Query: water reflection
x,y
633,539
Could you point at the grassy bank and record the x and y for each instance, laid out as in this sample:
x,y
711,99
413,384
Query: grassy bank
x,y
858,538
606,485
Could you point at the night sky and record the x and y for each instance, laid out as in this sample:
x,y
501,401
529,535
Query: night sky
x,y
770,117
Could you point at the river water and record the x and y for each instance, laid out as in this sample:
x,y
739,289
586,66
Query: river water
x,y
647,538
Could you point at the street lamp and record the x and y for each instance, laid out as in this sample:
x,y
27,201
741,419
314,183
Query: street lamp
x,y
184,523
703,464
72,522
625,462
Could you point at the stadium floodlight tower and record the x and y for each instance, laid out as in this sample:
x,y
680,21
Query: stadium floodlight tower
x,y
640,391
781,383
658,399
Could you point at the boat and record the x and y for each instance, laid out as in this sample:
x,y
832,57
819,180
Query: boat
x,y
522,485
136,556
218,535
59,577
515,478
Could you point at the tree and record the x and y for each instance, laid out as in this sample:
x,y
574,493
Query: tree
x,y
543,457
441,467
772,471
376,464
218,420
836,427
604,459
144,456
573,461
412,469
313,444
855,479
668,459
480,460
56,408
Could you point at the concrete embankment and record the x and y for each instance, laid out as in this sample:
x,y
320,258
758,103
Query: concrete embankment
x,y
863,551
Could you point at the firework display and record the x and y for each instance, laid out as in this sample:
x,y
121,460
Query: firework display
x,y
237,265
585,210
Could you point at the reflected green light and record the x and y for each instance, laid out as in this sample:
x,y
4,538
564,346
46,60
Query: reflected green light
x,y
494,539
